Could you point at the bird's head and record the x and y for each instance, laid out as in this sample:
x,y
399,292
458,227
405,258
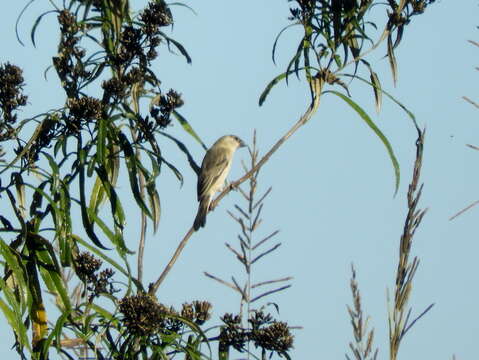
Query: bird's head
x,y
231,141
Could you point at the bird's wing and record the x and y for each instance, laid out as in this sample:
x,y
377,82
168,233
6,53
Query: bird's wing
x,y
211,170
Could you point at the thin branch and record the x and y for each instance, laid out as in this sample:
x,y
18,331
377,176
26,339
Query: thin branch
x,y
271,292
237,207
416,319
271,282
242,291
233,216
316,84
263,197
265,239
245,195
153,288
240,257
473,147
464,210
471,102
221,281
265,253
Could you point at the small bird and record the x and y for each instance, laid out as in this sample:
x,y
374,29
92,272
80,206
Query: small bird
x,y
214,169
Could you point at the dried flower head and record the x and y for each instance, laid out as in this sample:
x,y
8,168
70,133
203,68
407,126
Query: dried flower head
x,y
83,110
11,97
259,319
114,88
157,14
131,44
102,284
232,334
164,106
274,337
68,23
86,265
197,311
142,314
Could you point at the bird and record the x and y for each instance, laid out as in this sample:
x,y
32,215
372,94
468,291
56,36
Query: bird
x,y
214,170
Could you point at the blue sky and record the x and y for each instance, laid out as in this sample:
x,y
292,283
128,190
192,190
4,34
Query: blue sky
x,y
333,183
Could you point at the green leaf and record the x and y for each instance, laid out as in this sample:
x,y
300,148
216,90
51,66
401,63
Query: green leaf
x,y
116,238
19,273
51,275
185,150
56,333
100,143
35,25
392,60
115,203
155,204
183,5
188,128
377,90
273,52
87,225
180,47
268,88
131,164
272,83
392,98
376,130
97,195
16,324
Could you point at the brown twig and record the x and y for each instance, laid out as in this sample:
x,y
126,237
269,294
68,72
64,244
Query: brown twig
x,y
271,282
153,288
471,101
316,85
464,210
221,281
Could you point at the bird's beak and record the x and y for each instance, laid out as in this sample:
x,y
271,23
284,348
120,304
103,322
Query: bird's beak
x,y
242,143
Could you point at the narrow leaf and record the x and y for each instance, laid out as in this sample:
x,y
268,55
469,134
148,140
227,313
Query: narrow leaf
x,y
184,123
377,90
392,59
376,130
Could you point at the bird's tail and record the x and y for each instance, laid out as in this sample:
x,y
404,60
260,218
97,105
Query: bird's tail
x,y
200,220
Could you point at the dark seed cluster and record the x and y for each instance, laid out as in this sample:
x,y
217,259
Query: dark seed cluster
x,y
139,43
87,266
156,15
275,337
198,311
142,314
11,98
265,332
83,111
69,63
411,8
161,112
233,333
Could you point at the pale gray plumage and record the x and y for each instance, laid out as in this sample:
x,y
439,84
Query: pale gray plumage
x,y
214,170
